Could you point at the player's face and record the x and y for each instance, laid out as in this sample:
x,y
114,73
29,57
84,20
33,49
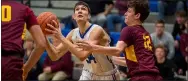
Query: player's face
x,y
81,13
130,16
159,28
159,53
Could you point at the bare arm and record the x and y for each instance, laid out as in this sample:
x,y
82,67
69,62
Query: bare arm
x,y
58,50
61,48
113,51
39,39
119,60
82,54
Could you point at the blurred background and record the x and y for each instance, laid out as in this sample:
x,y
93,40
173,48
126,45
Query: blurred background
x,y
167,23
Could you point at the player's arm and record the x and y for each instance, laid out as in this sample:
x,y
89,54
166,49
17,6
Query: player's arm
x,y
119,60
114,51
73,48
83,54
39,39
59,50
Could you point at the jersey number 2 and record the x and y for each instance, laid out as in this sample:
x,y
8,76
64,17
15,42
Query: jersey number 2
x,y
147,42
6,13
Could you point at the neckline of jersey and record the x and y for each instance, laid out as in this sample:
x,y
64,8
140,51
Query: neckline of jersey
x,y
82,36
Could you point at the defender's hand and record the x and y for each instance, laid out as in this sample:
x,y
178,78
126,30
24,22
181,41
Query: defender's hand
x,y
85,45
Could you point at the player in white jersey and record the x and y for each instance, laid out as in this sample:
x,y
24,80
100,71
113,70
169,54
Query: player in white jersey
x,y
96,66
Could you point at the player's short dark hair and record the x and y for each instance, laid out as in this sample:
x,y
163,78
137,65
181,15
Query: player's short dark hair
x,y
160,21
162,47
82,3
140,6
180,14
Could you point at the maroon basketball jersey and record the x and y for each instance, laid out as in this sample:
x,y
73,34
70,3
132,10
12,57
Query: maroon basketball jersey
x,y
139,52
14,16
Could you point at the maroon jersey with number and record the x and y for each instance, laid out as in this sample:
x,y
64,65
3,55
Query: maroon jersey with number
x,y
139,52
14,16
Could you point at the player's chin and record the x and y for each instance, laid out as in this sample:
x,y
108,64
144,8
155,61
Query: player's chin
x,y
81,20
126,22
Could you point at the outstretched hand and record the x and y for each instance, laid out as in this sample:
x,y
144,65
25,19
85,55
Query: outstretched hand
x,y
85,45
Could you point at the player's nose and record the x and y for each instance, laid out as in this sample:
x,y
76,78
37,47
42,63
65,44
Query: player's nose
x,y
79,12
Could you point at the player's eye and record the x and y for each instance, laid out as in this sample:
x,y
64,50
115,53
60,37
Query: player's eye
x,y
77,9
83,8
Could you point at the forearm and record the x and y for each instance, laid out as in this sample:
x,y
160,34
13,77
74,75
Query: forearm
x,y
52,52
113,51
74,50
56,52
119,61
33,59
62,50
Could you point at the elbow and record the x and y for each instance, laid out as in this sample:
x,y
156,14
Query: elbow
x,y
82,58
55,57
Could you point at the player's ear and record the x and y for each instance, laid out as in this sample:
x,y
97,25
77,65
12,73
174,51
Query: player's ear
x,y
138,16
89,16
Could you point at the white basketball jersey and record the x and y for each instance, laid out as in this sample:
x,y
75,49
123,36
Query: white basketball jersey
x,y
96,63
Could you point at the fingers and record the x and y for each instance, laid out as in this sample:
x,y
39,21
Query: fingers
x,y
82,41
82,45
51,27
51,31
55,23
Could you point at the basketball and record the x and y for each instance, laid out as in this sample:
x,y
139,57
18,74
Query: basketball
x,y
46,18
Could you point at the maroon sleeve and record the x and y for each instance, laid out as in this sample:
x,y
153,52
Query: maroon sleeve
x,y
60,64
126,35
46,62
183,46
30,18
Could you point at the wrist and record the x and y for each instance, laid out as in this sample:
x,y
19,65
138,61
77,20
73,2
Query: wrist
x,y
62,39
92,48
26,68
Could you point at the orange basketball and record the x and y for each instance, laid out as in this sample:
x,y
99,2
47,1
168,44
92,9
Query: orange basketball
x,y
45,18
